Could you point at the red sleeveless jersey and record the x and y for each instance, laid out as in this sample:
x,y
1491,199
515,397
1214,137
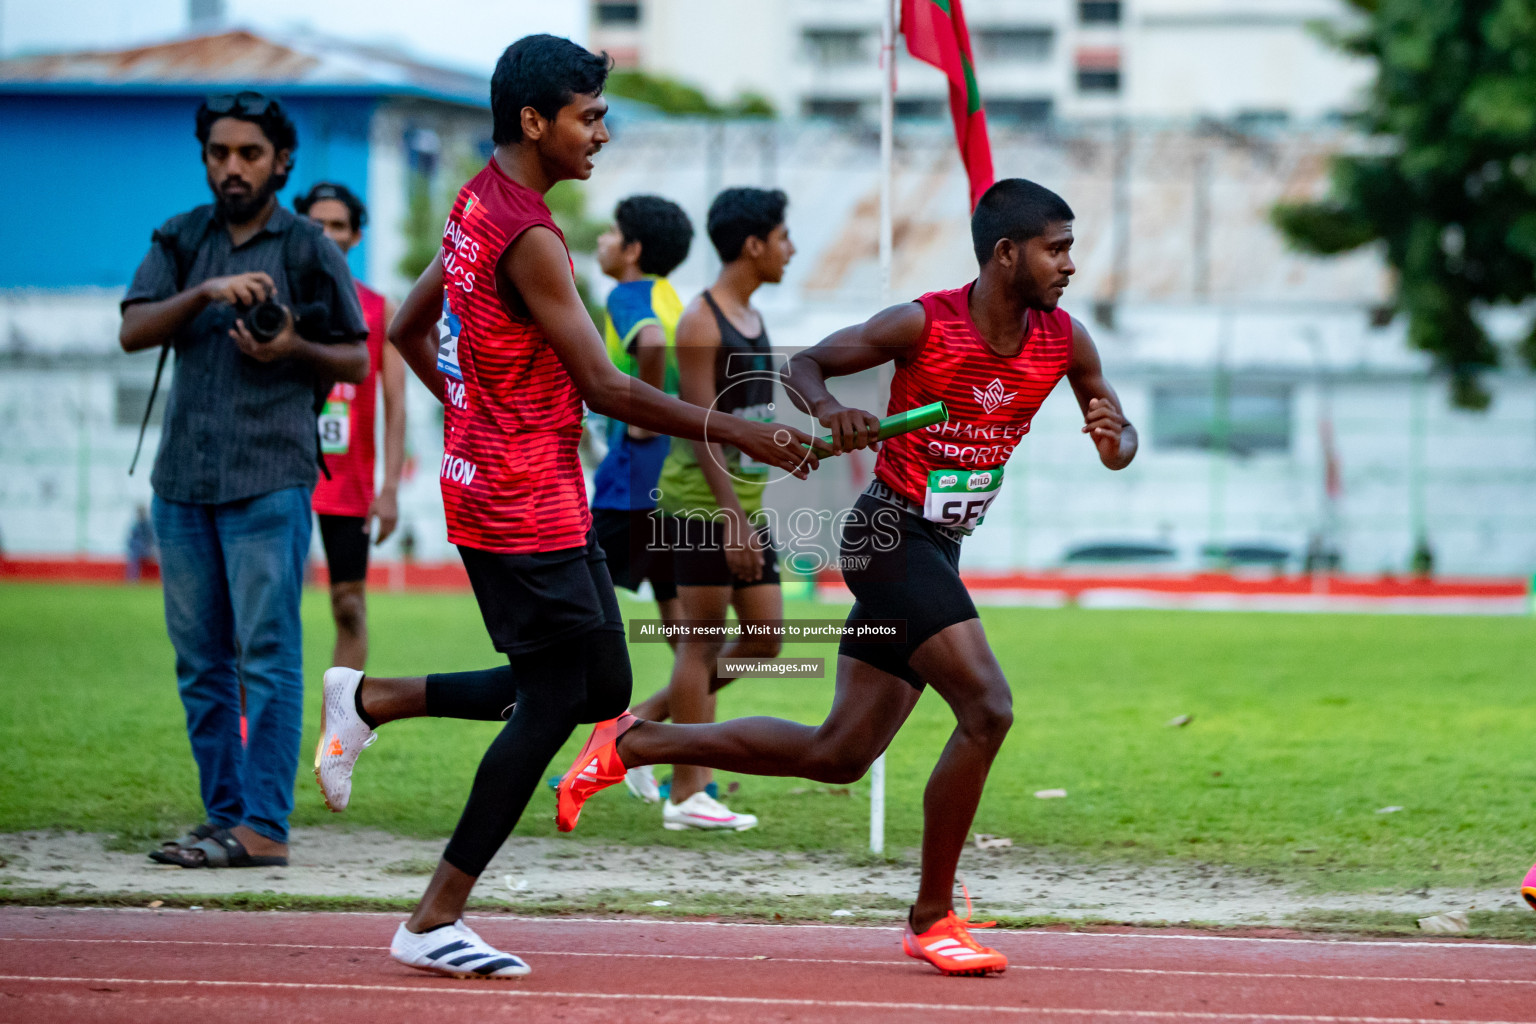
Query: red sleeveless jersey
x,y
510,474
991,402
346,426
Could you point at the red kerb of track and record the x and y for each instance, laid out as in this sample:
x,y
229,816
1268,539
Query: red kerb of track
x,y
1070,585
131,966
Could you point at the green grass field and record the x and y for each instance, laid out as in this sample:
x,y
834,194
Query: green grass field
x,y
1304,726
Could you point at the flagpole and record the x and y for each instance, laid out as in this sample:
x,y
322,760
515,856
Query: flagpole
x,y
887,119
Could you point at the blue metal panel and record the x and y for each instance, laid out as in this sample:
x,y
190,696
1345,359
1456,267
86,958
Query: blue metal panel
x,y
84,179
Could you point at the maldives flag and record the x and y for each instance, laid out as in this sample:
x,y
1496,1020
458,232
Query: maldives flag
x,y
935,31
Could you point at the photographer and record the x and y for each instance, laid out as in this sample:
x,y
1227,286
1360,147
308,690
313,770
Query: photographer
x,y
239,456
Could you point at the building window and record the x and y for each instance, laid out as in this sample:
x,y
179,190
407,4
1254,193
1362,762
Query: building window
x,y
837,47
1255,418
1099,12
842,110
1014,45
1028,111
131,398
613,15
1098,69
1092,80
922,109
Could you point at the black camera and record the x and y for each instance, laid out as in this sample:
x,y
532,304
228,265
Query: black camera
x,y
266,320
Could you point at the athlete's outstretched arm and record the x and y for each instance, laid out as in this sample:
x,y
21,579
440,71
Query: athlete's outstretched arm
x,y
413,330
651,367
1111,432
536,268
894,333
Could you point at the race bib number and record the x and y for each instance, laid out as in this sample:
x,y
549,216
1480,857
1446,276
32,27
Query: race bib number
x,y
335,426
448,343
959,498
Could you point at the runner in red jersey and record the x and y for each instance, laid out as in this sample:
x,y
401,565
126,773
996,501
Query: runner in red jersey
x,y
346,503
519,355
991,351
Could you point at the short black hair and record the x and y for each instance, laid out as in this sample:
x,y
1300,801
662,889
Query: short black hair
x,y
1017,209
544,72
738,214
660,226
356,208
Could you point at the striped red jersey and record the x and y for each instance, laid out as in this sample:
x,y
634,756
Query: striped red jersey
x,y
954,469
346,426
510,475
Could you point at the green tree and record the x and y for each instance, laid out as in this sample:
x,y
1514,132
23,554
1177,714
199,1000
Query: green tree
x,y
427,209
424,219
1449,185
671,96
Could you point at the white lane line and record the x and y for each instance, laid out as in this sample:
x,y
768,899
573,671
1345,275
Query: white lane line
x,y
767,958
1438,946
520,951
505,990
1431,945
1278,976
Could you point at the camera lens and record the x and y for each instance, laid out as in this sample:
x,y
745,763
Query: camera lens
x,y
265,320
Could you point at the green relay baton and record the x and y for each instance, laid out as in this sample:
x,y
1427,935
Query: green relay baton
x,y
912,419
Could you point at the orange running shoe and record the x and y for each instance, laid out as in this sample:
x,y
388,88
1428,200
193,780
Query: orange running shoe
x,y
596,767
1528,887
949,947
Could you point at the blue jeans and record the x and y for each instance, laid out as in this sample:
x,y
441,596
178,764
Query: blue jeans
x,y
232,576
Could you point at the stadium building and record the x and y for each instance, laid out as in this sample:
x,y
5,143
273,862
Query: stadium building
x,y
1284,421
1250,61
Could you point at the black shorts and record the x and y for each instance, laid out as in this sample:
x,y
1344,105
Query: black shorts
x,y
916,579
345,539
636,549
534,600
698,554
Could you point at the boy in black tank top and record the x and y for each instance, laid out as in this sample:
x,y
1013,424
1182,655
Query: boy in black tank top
x,y
710,492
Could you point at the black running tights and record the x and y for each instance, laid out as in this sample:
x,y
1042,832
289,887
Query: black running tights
x,y
551,692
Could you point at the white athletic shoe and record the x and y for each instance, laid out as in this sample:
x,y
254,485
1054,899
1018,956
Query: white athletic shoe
x,y
702,811
455,950
343,736
642,782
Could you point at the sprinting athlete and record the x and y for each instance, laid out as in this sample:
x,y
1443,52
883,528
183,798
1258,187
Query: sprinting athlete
x,y
709,493
527,356
345,501
650,236
991,350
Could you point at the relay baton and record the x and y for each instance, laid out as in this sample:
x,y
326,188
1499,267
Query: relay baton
x,y
903,422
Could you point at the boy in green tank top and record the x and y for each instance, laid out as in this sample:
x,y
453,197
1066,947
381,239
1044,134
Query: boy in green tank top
x,y
710,492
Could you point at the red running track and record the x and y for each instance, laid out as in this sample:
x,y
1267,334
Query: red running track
x,y
138,965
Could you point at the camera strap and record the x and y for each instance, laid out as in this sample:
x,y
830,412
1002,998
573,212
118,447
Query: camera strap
x,y
182,248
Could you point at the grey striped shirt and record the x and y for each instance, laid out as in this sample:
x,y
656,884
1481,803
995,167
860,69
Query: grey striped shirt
x,y
237,428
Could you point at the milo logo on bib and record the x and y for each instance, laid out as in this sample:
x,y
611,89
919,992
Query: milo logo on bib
x,y
959,498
